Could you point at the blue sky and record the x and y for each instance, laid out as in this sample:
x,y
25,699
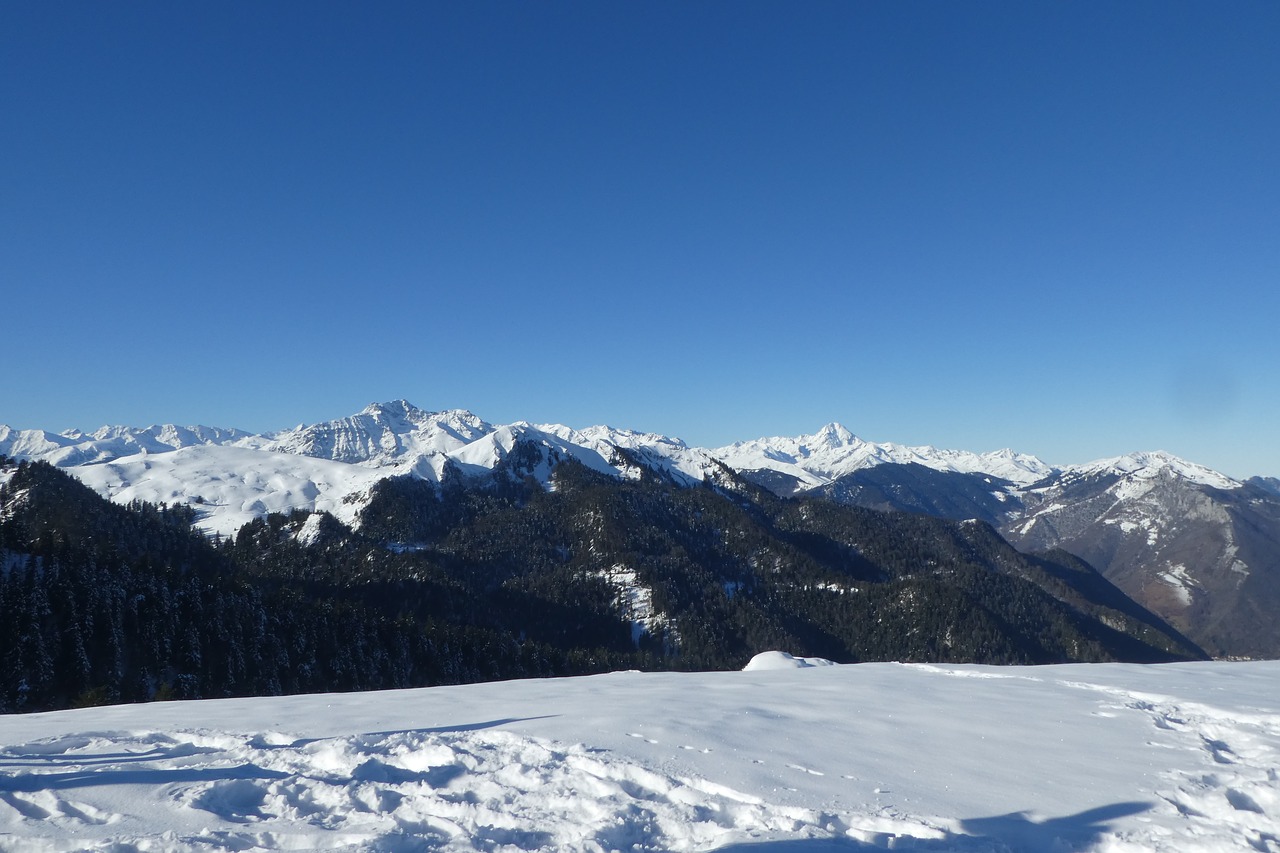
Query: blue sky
x,y
1050,226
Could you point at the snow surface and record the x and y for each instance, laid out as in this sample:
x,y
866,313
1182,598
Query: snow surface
x,y
1098,757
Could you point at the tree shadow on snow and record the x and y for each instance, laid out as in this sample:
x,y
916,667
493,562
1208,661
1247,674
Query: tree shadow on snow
x,y
1015,831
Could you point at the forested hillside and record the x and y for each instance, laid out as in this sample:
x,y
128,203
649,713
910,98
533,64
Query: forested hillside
x,y
498,577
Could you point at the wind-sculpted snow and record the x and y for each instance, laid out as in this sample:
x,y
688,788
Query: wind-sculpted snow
x,y
811,759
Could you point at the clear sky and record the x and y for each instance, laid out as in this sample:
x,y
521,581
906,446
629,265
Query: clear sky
x,y
1048,226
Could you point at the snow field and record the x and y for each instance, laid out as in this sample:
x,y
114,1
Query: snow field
x,y
796,759
463,791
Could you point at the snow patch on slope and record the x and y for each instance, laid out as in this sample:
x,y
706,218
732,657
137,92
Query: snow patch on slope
x,y
1183,583
635,602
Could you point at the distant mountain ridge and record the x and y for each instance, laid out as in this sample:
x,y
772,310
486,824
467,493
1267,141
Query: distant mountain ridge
x,y
833,451
1193,545
231,476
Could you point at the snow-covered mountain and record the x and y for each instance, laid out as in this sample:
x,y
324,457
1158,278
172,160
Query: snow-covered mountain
x,y
231,476
833,452
1114,757
1193,545
1196,547
384,434
74,447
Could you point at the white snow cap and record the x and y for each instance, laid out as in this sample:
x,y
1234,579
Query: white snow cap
x,y
833,451
1150,464
231,476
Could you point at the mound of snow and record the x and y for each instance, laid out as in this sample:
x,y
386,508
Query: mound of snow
x,y
782,660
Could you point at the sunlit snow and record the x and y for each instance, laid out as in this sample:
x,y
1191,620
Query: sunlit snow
x,y
1111,757
231,476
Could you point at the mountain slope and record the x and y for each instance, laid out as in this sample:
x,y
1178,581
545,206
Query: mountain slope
x,y
382,434
1192,545
1199,549
913,487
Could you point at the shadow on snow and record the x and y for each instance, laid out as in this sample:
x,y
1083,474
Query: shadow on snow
x,y
1009,832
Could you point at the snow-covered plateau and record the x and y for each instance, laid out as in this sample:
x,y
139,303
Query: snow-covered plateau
x,y
783,757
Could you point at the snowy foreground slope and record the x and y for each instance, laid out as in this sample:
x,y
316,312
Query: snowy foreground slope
x,y
863,757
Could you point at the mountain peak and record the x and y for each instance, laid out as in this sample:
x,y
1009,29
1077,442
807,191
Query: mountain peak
x,y
835,435
397,408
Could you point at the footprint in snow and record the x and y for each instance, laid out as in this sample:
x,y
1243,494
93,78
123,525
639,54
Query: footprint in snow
x,y
642,737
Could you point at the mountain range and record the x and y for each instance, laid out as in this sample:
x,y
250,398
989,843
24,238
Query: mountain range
x,y
1195,547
